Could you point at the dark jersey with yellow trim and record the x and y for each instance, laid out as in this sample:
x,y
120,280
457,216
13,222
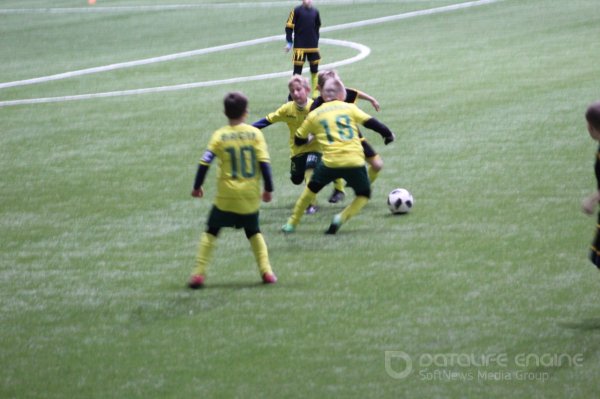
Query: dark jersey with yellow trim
x,y
596,168
303,26
351,97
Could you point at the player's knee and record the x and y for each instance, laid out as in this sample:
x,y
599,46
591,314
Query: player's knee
x,y
213,230
297,179
251,232
376,163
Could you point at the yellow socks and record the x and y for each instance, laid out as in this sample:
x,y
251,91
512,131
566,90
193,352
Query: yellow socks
x,y
314,79
355,206
205,248
261,253
339,185
372,174
303,202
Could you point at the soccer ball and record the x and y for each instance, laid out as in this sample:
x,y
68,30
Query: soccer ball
x,y
400,201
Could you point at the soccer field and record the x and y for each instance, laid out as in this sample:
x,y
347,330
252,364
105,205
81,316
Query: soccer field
x,y
483,290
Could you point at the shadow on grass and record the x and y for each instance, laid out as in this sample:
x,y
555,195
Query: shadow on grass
x,y
584,325
237,285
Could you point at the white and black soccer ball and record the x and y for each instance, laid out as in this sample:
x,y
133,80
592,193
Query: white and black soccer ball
x,y
400,201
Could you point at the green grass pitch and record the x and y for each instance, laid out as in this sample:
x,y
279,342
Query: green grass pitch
x,y
484,290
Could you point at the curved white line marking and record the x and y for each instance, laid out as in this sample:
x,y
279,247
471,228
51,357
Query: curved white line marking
x,y
364,51
167,7
208,50
171,57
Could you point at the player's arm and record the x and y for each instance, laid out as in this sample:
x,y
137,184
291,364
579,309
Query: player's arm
x,y
203,166
590,203
289,30
383,130
371,99
262,123
301,136
265,169
273,117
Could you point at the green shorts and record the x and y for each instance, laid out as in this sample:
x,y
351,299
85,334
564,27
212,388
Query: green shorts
x,y
218,219
356,177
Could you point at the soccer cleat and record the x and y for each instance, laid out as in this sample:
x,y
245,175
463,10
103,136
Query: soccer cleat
x,y
196,281
337,196
335,225
311,210
269,278
288,228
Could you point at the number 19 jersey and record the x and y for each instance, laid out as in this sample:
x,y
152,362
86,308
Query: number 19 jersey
x,y
334,125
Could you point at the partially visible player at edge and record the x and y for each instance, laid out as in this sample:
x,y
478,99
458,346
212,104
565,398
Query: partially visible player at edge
x,y
302,33
590,203
334,125
372,157
304,158
243,156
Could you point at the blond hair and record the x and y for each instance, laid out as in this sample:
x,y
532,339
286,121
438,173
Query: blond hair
x,y
324,75
301,80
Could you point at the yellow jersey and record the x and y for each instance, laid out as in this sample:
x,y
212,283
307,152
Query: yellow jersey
x,y
293,116
335,126
239,150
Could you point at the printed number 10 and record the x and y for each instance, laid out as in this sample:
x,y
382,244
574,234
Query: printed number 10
x,y
243,161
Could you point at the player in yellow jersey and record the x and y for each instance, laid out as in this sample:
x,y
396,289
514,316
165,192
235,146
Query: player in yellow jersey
x,y
372,157
335,126
243,157
303,159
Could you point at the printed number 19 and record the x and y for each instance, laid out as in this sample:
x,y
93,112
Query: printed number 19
x,y
344,128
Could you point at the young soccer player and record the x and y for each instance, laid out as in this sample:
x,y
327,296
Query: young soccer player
x,y
302,33
303,159
372,157
334,125
590,203
243,157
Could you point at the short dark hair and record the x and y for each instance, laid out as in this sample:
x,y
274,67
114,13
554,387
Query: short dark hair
x,y
236,104
592,115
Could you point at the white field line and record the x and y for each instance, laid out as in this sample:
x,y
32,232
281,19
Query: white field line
x,y
364,51
185,54
169,7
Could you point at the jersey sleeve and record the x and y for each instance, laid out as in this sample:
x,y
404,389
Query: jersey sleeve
x,y
289,27
351,95
262,152
277,115
359,115
304,129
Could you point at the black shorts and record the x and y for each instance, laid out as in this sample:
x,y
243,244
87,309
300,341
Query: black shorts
x,y
595,249
218,219
299,164
301,55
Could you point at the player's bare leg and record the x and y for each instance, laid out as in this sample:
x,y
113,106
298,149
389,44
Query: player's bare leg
x,y
375,166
